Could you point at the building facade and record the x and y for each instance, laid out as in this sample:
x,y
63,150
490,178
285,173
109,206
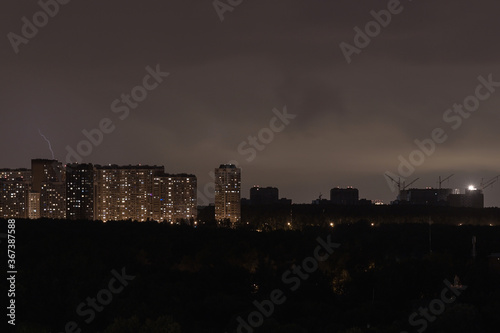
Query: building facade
x,y
228,194
34,206
87,192
175,198
49,181
125,192
426,196
344,196
472,198
15,185
264,195
80,192
182,190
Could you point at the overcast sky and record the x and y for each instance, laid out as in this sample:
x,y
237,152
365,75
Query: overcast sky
x,y
352,122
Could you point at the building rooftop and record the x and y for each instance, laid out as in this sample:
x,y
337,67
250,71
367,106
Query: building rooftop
x,y
227,166
128,167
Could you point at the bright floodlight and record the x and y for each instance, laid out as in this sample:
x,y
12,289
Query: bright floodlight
x,y
472,188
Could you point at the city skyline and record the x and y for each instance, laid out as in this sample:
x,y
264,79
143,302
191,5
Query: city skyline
x,y
349,195
245,166
95,192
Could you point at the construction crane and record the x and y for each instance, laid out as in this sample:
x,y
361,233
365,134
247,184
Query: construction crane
x,y
406,186
440,182
489,182
401,185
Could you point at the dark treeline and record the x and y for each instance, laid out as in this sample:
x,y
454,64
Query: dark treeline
x,y
201,280
272,217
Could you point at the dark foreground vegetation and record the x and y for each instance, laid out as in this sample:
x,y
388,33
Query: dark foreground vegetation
x,y
203,279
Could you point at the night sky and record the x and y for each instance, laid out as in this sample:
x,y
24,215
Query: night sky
x,y
352,121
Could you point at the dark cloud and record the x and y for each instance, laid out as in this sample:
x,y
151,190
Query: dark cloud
x,y
353,121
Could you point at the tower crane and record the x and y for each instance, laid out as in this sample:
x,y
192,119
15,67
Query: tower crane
x,y
440,182
401,184
489,182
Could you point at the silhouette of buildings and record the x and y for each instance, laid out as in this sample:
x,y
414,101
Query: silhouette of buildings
x,y
264,195
427,196
344,196
93,192
472,198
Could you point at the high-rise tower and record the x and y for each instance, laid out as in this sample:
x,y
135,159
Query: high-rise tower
x,y
227,194
80,191
48,180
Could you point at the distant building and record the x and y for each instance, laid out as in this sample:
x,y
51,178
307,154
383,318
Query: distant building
x,y
427,196
87,192
472,198
264,195
174,198
161,205
344,196
80,191
285,202
48,180
245,202
182,190
320,201
365,202
125,192
15,185
227,193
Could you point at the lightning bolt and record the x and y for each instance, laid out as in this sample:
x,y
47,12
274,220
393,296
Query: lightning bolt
x,y
50,145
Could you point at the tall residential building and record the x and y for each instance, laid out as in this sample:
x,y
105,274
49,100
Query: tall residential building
x,y
14,193
227,193
161,205
174,198
125,192
48,180
80,191
183,190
